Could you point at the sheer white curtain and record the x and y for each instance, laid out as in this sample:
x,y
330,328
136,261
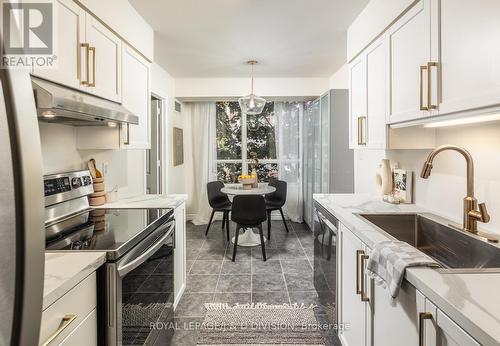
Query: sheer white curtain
x,y
288,134
204,150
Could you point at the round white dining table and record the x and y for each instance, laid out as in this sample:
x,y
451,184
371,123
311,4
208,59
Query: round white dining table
x,y
249,238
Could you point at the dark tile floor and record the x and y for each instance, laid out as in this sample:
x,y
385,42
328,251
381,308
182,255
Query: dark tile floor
x,y
286,276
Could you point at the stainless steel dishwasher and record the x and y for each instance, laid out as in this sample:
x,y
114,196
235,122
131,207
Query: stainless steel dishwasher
x,y
325,231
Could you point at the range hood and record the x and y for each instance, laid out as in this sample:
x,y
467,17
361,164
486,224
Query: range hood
x,y
59,104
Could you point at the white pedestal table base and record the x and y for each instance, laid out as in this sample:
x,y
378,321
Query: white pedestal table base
x,y
248,238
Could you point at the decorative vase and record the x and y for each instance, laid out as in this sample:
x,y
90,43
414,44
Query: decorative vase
x,y
256,183
383,178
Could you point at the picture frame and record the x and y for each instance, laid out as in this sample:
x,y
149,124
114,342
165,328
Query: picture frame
x,y
403,185
178,146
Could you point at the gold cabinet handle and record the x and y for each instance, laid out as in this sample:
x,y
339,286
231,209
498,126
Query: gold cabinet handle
x,y
65,322
422,69
361,130
87,56
359,253
92,49
421,326
429,85
127,142
364,297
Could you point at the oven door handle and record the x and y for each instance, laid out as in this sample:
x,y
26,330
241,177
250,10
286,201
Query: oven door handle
x,y
331,226
127,268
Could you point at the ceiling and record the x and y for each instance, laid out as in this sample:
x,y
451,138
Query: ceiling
x,y
214,38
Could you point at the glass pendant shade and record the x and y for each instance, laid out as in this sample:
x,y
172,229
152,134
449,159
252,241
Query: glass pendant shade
x,y
252,104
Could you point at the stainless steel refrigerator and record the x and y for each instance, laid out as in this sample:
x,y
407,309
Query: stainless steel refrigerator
x,y
21,211
328,161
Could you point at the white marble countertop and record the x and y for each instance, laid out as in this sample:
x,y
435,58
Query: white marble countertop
x,y
147,201
237,189
63,271
471,299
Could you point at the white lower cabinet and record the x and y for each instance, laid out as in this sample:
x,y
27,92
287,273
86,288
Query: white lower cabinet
x,y
179,253
354,311
371,317
72,316
85,334
440,330
395,322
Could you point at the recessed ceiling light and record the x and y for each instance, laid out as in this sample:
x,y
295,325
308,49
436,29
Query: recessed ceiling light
x,y
464,121
112,124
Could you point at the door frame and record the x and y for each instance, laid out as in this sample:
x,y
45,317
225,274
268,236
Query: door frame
x,y
165,138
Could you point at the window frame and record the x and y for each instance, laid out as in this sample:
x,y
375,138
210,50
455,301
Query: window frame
x,y
244,150
245,162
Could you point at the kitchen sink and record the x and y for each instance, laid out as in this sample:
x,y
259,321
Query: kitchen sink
x,y
452,248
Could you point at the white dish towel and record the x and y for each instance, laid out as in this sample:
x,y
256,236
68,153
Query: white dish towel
x,y
388,262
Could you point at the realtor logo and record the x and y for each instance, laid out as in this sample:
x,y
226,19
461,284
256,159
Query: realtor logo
x,y
27,30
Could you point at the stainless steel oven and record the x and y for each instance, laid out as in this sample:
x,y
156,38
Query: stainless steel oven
x,y
140,291
136,285
325,229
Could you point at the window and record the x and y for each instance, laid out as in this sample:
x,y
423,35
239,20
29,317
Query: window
x,y
241,137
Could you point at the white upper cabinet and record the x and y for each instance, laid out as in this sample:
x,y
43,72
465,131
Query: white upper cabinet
x,y
104,60
470,54
136,98
368,98
442,59
368,103
376,85
88,53
410,57
70,34
357,100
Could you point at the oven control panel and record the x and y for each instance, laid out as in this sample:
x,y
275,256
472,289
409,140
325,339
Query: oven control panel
x,y
66,186
58,185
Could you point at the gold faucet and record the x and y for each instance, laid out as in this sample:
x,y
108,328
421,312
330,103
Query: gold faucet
x,y
471,212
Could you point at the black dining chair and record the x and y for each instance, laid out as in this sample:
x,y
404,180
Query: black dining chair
x,y
248,211
219,202
276,201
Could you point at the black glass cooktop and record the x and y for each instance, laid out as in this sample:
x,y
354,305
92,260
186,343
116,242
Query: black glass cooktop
x,y
111,230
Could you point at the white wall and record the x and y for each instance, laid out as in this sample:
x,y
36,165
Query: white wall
x,y
163,85
446,187
125,167
340,79
191,88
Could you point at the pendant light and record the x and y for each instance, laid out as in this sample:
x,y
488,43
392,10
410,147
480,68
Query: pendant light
x,y
252,104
